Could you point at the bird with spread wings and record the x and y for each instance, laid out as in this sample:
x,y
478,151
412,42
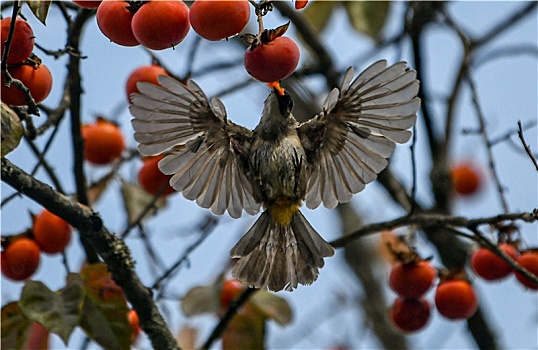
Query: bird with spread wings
x,y
280,164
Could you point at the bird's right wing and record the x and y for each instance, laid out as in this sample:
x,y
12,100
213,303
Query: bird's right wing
x,y
205,153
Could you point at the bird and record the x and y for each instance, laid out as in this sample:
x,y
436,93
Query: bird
x,y
279,165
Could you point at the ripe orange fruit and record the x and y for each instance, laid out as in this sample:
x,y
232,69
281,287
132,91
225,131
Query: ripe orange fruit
x,y
114,19
529,260
22,43
20,259
272,61
160,25
300,4
145,73
413,279
410,315
132,316
466,178
456,299
231,290
152,179
491,267
88,4
38,80
51,233
103,142
219,19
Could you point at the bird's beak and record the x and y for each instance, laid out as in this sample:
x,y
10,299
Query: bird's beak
x,y
275,85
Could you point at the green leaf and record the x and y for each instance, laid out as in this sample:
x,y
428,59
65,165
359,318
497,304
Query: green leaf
x,y
59,312
11,130
40,8
246,330
272,307
318,13
15,326
135,200
104,316
201,300
368,17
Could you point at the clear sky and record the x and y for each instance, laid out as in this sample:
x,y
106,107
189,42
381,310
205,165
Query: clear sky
x,y
507,90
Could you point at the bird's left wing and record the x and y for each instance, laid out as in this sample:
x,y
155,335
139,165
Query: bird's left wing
x,y
349,142
205,152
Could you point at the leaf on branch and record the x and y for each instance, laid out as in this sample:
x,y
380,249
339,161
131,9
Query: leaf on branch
x,y
59,312
40,8
318,13
368,17
11,130
246,330
272,307
201,300
136,200
104,315
15,326
98,188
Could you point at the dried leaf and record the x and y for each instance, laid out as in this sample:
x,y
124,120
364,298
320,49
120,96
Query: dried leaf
x,y
187,338
40,8
15,326
201,300
97,189
318,13
104,316
269,35
11,130
368,17
59,312
272,307
136,200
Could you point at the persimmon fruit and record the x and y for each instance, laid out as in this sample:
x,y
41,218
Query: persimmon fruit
x,y
456,299
37,79
409,315
272,61
160,25
114,19
152,179
219,19
20,259
231,290
22,43
134,321
148,73
103,142
489,266
88,4
51,232
466,178
412,280
528,260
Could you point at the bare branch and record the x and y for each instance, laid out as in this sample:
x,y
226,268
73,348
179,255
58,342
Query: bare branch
x,y
525,145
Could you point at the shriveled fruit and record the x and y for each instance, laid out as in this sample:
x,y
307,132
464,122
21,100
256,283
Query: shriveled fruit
x,y
88,4
37,80
152,179
114,19
160,25
219,19
231,290
103,142
489,266
51,233
132,317
413,279
466,178
20,259
528,260
148,74
410,315
456,299
272,61
22,42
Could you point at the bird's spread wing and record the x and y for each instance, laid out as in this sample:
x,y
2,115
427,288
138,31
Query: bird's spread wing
x,y
205,153
349,142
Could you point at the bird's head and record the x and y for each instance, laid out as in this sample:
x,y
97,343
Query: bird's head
x,y
279,100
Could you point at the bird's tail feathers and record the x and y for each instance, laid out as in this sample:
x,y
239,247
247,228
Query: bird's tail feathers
x,y
275,257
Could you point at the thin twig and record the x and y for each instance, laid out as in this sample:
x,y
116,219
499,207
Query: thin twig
x,y
525,145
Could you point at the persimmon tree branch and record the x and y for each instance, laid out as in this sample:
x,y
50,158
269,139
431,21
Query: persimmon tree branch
x,y
111,249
